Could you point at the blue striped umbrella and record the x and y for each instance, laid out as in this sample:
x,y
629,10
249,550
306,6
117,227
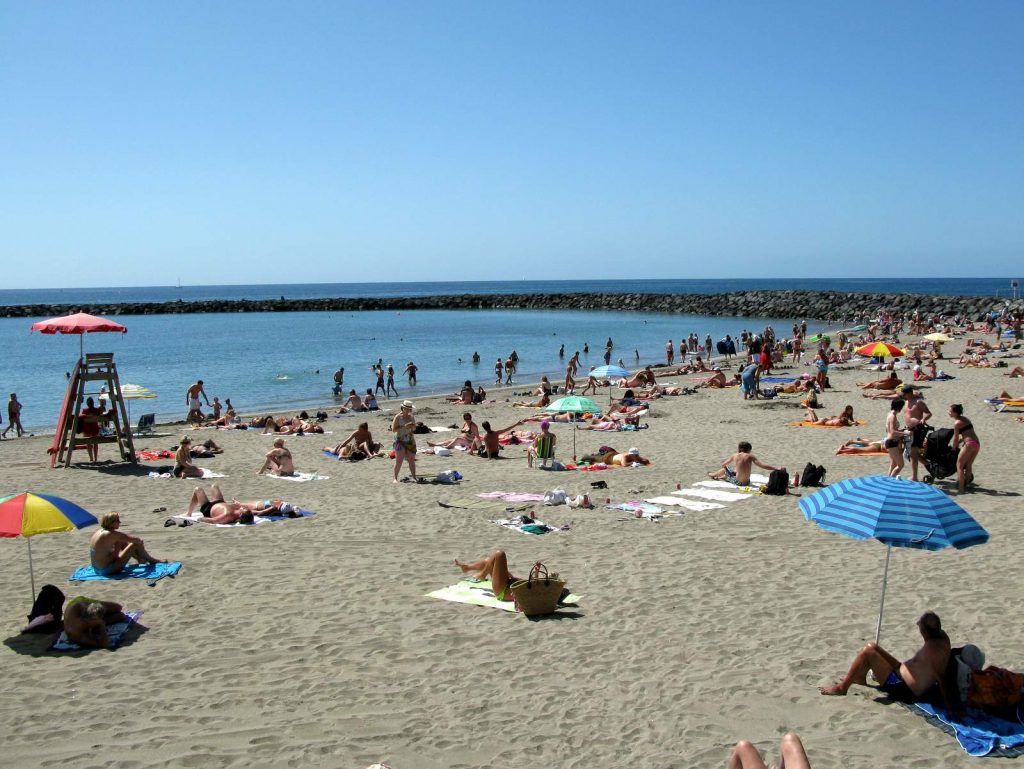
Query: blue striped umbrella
x,y
609,372
897,513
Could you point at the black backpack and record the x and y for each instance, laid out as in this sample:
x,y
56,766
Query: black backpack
x,y
813,475
49,601
778,483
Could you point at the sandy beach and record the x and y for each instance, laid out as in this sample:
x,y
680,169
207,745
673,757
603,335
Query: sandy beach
x,y
311,642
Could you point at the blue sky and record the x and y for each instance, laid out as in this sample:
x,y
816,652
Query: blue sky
x,y
250,142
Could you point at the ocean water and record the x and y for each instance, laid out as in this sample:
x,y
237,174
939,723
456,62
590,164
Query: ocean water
x,y
286,361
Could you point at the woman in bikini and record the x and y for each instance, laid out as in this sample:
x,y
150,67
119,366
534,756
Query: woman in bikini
x,y
964,437
495,567
894,435
842,420
183,467
403,426
860,446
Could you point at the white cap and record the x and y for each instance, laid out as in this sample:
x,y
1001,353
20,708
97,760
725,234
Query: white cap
x,y
634,450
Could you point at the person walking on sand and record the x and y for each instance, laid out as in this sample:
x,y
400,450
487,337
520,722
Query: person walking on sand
x,y
510,369
403,426
498,370
378,369
391,382
195,409
13,417
908,681
670,352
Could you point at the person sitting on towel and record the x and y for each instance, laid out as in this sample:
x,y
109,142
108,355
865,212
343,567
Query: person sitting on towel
x,y
278,460
495,567
743,461
86,620
909,681
110,549
360,444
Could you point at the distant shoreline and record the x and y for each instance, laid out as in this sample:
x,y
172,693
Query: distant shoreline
x,y
817,305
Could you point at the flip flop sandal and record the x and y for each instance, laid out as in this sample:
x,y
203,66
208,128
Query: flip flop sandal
x,y
159,509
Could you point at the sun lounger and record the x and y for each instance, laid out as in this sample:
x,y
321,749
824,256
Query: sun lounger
x,y
1001,404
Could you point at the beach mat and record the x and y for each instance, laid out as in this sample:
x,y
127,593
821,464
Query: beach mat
x,y
115,635
483,504
148,571
536,527
715,495
688,504
978,733
879,453
512,496
258,519
299,477
480,594
206,475
819,424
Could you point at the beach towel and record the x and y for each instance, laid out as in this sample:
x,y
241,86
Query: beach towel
x,y
152,454
115,635
512,496
634,505
300,477
716,495
480,594
295,435
879,453
483,504
147,571
257,519
688,504
978,733
206,474
819,424
523,527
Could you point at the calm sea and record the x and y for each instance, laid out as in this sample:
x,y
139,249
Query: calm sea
x,y
284,361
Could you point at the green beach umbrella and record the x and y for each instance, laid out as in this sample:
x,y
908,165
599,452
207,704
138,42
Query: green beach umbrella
x,y
574,404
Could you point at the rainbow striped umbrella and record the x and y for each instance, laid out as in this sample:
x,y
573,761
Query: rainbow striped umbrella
x,y
28,514
880,350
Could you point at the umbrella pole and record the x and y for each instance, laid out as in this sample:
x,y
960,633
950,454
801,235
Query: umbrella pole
x,y
885,582
31,572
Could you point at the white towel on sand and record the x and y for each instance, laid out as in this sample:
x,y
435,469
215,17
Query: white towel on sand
x,y
689,504
715,494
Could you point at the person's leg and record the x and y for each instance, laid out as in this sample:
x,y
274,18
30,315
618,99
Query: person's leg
x,y
745,756
792,755
964,460
895,460
399,458
872,657
410,458
140,554
199,498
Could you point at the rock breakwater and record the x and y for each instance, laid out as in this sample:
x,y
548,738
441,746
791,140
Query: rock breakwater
x,y
813,305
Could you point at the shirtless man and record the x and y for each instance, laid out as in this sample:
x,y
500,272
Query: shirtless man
x,y
85,620
629,459
890,382
14,417
278,460
339,380
360,440
904,681
743,461
917,413
195,411
716,380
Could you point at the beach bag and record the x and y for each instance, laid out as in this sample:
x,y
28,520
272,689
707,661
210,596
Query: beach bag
x,y
778,483
449,476
538,594
555,497
47,611
581,500
813,475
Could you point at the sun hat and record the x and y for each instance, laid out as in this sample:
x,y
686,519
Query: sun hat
x,y
634,450
408,405
971,658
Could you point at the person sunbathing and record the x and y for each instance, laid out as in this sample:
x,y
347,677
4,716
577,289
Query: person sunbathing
x,y
908,681
629,459
465,396
890,382
358,445
183,467
842,420
278,460
797,386
468,438
1017,372
591,385
544,400
716,380
353,403
860,446
206,449
86,620
110,550
791,755
743,461
495,568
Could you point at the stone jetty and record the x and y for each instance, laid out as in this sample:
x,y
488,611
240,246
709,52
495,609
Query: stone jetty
x,y
813,305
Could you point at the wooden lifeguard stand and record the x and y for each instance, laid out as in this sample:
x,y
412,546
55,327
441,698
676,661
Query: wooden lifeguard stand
x,y
91,374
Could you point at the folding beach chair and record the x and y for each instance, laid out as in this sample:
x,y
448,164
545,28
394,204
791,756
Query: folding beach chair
x,y
146,423
543,448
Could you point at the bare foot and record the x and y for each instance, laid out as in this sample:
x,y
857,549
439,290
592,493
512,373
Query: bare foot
x,y
835,690
461,565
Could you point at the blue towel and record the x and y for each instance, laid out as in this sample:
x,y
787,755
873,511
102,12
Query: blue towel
x,y
979,733
150,571
302,514
778,379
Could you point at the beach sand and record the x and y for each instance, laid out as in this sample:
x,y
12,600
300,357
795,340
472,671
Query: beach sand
x,y
310,643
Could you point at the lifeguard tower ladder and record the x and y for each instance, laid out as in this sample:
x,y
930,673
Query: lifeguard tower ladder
x,y
91,374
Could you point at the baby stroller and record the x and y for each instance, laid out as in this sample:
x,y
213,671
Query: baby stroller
x,y
939,458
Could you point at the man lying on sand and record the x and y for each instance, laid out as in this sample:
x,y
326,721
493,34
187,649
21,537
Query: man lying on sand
x,y
216,509
908,681
743,461
890,382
